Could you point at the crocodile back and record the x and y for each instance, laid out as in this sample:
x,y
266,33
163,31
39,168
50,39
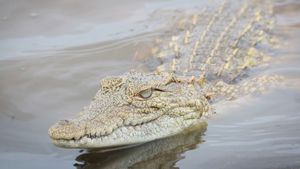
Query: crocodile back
x,y
221,42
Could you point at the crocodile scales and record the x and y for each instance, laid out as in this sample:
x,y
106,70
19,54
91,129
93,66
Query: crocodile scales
x,y
206,60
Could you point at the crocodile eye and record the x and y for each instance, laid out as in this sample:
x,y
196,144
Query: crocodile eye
x,y
145,94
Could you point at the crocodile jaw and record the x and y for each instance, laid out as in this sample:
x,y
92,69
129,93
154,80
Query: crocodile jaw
x,y
128,135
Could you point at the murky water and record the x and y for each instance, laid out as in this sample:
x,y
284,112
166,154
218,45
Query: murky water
x,y
53,54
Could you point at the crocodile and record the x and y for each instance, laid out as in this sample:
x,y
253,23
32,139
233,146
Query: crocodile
x,y
207,58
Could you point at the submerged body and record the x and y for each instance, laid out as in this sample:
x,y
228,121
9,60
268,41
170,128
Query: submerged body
x,y
206,59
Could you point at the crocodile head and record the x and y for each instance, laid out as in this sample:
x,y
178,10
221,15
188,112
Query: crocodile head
x,y
133,108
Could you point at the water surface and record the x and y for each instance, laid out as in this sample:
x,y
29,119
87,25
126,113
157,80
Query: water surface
x,y
54,53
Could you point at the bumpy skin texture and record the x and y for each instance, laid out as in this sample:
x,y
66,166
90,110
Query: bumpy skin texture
x,y
207,59
133,108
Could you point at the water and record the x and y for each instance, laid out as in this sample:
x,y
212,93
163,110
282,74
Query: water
x,y
54,53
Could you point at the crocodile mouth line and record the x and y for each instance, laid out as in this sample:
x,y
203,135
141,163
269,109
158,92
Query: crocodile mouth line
x,y
132,126
126,134
91,137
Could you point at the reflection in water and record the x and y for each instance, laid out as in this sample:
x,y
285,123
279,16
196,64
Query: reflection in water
x,y
157,154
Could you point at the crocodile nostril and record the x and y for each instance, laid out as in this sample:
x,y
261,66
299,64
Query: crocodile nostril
x,y
66,129
64,122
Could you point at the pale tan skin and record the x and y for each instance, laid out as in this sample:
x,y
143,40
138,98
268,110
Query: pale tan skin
x,y
137,107
204,62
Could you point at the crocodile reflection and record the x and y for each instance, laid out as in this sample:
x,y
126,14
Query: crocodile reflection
x,y
162,153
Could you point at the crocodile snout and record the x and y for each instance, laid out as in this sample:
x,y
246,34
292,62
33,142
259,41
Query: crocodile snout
x,y
66,130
